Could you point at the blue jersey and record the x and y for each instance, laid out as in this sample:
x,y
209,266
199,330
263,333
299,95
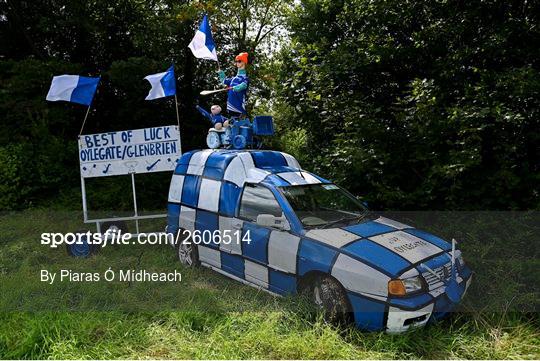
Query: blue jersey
x,y
236,99
218,118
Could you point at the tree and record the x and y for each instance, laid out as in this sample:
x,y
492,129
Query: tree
x,y
253,26
417,104
122,41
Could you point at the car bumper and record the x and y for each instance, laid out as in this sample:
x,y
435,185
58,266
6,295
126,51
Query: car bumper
x,y
396,315
401,320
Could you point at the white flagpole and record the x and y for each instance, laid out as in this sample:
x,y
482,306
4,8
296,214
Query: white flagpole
x,y
178,120
177,115
84,121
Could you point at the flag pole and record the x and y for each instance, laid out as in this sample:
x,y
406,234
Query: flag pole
x,y
178,121
177,115
84,121
176,99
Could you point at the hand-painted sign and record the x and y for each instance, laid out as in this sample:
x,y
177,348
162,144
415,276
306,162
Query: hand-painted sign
x,y
129,151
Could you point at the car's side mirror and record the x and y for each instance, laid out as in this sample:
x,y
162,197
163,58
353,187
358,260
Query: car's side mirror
x,y
269,220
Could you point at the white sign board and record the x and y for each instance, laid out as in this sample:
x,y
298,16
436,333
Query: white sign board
x,y
129,151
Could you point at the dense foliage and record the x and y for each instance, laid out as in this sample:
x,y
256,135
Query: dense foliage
x,y
423,104
428,104
122,41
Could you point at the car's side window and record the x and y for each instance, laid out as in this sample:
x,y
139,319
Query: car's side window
x,y
258,200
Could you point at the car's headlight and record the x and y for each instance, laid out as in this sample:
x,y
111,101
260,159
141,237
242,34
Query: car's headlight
x,y
402,287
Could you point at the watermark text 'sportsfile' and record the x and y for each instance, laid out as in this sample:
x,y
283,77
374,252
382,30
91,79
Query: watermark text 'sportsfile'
x,y
110,237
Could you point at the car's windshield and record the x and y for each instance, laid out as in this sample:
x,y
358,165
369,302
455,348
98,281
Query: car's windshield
x,y
324,205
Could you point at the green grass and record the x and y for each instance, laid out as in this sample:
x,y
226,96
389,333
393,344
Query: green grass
x,y
210,316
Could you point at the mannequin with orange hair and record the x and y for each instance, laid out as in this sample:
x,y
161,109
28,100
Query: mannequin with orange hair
x,y
236,96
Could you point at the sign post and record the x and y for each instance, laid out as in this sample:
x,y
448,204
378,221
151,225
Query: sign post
x,y
127,152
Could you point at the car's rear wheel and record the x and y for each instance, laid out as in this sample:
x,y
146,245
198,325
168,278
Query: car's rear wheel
x,y
187,252
327,295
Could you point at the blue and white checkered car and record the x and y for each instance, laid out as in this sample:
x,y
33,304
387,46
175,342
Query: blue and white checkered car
x,y
308,234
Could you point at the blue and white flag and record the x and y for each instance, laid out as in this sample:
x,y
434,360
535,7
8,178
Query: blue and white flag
x,y
202,46
163,84
73,88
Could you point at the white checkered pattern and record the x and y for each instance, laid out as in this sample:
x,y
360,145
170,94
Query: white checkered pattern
x,y
175,190
209,195
282,251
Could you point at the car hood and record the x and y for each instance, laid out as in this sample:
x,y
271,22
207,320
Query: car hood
x,y
386,245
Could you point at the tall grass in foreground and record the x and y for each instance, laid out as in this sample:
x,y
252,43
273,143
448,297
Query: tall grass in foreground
x,y
270,335
209,316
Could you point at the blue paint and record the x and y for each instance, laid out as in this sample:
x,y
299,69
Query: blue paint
x,y
257,249
443,307
267,159
281,283
216,164
368,314
228,198
454,291
314,257
434,262
153,165
465,272
183,163
282,169
190,190
377,255
232,264
173,215
412,302
369,229
207,221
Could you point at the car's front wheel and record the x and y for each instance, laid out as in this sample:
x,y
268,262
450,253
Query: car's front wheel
x,y
327,295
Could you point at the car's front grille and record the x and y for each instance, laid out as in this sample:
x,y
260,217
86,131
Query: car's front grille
x,y
444,272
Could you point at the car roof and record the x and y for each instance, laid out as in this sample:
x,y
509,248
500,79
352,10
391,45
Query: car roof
x,y
240,166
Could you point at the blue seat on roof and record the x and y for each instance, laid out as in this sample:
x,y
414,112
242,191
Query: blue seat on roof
x,y
263,125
